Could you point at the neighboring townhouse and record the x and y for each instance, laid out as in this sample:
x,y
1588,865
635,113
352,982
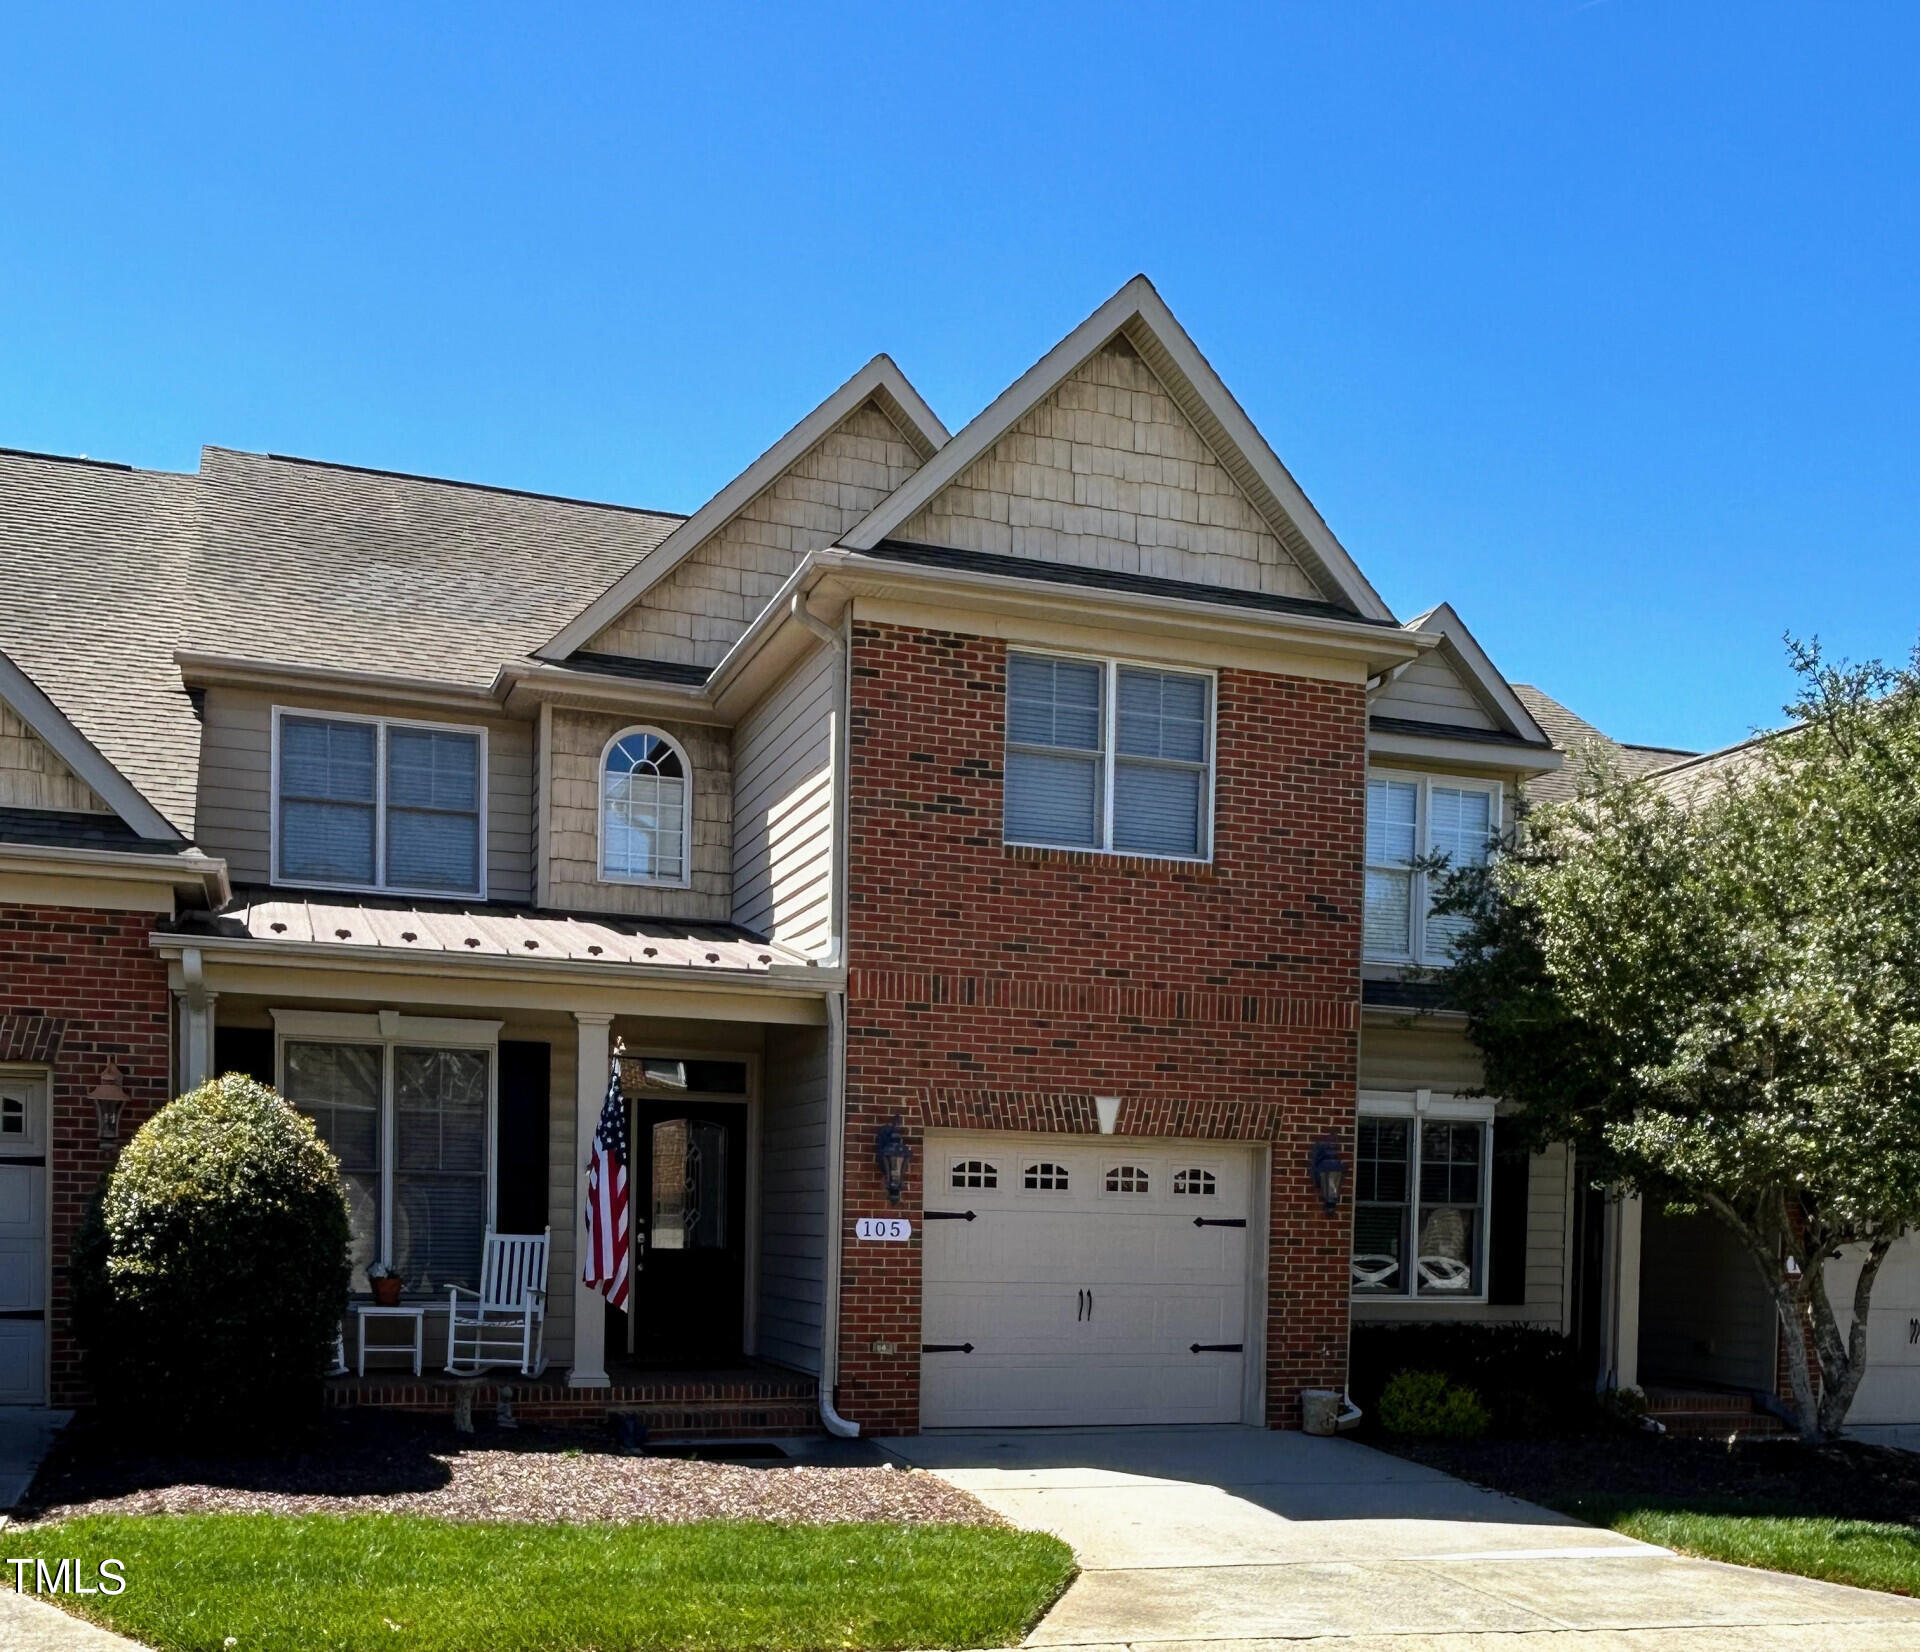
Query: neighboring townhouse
x,y
1014,834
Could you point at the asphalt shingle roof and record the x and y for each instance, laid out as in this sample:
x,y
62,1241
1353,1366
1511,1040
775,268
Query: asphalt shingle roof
x,y
1574,735
106,571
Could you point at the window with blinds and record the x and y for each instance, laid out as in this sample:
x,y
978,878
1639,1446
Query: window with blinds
x,y
1104,755
1410,820
372,803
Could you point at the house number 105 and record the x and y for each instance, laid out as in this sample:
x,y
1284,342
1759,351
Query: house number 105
x,y
883,1227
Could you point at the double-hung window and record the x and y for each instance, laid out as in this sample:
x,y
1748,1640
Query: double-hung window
x,y
1411,818
375,803
407,1106
1102,754
1420,1196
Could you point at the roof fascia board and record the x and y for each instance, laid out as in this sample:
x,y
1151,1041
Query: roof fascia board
x,y
522,686
1467,754
1467,656
200,874
880,380
80,754
781,980
228,671
1139,311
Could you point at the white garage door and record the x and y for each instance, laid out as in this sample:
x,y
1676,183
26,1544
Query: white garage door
x,y
23,1241
1076,1280
1890,1391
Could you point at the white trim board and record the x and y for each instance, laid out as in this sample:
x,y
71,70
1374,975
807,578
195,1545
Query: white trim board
x,y
1139,311
80,754
879,381
1477,671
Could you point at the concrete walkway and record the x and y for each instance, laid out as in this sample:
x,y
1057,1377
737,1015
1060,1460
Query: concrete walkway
x,y
1233,1537
26,1435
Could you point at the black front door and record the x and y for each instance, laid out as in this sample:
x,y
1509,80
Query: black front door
x,y
689,1207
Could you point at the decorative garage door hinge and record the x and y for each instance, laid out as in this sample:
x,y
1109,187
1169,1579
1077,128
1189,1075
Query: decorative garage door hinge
x,y
1217,1348
956,1216
1219,1221
946,1347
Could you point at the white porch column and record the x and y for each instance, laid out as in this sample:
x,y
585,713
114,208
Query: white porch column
x,y
589,1368
1622,1293
196,1023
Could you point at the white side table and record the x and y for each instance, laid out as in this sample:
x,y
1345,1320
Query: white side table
x,y
372,1310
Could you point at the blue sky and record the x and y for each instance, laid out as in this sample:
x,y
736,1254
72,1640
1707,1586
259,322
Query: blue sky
x,y
1598,320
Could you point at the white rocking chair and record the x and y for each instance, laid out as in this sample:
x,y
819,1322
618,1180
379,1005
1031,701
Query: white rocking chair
x,y
505,1321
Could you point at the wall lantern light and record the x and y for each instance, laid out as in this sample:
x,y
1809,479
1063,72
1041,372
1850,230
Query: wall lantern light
x,y
108,1097
892,1154
1328,1172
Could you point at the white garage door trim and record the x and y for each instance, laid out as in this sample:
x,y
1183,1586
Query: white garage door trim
x,y
1890,1392
1132,1295
25,1269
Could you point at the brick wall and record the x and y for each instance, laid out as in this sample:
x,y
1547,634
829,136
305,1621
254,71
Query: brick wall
x,y
78,989
1004,988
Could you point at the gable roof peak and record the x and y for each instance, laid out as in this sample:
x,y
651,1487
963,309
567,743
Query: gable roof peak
x,y
1138,314
880,382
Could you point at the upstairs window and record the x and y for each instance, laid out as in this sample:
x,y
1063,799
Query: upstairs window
x,y
1104,755
375,803
1410,818
645,809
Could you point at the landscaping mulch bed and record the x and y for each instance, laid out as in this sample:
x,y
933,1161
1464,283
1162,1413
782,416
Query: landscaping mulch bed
x,y
382,1463
1843,1481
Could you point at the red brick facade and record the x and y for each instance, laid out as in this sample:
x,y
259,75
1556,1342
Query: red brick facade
x,y
1005,988
80,988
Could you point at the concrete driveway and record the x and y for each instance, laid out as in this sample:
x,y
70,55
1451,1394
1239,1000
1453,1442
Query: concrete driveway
x,y
1198,1537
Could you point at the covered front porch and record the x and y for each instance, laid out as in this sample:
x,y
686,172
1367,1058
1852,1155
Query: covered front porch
x,y
463,1100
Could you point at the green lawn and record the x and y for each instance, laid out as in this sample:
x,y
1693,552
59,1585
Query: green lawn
x,y
1870,1554
261,1583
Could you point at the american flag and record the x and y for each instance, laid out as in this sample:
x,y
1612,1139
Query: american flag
x,y
608,1214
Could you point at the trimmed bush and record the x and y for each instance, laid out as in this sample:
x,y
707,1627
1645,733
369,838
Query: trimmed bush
x,y
1423,1405
212,1273
1532,1381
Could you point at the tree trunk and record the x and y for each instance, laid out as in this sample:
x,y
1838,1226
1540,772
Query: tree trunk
x,y
1843,1370
1762,1241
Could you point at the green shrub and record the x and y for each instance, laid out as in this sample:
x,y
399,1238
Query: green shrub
x,y
212,1273
1533,1381
1425,1406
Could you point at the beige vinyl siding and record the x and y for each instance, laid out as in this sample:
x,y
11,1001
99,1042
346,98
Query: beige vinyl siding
x,y
1429,691
33,776
1107,472
783,809
573,817
234,807
695,614
793,1196
1431,1055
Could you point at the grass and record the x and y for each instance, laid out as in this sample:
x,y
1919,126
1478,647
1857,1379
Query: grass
x,y
1870,1554
266,1583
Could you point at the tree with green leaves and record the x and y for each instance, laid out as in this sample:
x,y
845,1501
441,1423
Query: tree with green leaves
x,y
1712,990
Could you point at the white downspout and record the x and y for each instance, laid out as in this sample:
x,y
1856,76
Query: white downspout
x,y
836,1168
834,1423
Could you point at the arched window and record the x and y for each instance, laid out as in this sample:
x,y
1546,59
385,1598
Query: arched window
x,y
1197,1183
1127,1178
645,809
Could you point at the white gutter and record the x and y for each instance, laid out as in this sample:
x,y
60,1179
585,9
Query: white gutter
x,y
188,870
836,1187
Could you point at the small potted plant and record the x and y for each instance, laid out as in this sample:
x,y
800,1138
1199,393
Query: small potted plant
x,y
386,1285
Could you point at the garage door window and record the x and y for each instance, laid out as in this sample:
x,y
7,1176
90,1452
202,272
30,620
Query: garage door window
x,y
1200,1184
974,1173
1420,1197
1045,1177
1128,1178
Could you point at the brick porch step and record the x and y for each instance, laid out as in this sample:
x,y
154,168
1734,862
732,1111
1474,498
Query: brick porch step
x,y
1711,1414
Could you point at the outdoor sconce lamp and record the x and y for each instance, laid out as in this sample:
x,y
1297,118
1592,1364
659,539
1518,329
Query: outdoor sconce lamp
x,y
892,1154
1328,1172
108,1097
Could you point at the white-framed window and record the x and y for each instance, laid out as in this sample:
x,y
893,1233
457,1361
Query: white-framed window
x,y
378,803
980,1173
1128,1178
646,809
1421,1174
407,1103
1044,1176
1409,818
1196,1183
1109,755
